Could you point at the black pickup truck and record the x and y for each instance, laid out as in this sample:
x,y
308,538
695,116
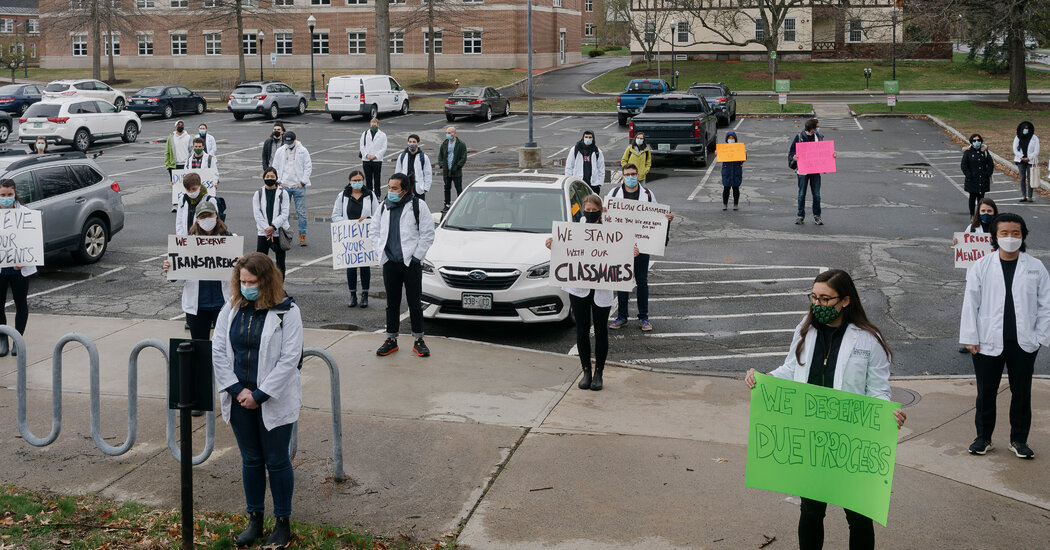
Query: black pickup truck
x,y
677,125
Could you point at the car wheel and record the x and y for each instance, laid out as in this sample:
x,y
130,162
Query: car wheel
x,y
131,133
94,239
336,117
273,112
488,114
621,120
506,109
450,118
201,107
238,116
302,107
404,108
82,140
119,104
168,111
5,132
373,112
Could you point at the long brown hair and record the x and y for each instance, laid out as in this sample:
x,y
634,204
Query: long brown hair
x,y
852,314
271,284
976,221
220,228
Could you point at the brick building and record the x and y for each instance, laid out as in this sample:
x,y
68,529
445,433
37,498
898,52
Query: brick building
x,y
20,27
192,34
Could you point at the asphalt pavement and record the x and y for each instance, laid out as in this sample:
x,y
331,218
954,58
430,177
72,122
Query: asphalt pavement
x,y
568,83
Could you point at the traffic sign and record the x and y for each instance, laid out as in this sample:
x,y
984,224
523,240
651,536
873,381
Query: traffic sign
x,y
891,100
783,86
773,54
782,98
891,87
273,59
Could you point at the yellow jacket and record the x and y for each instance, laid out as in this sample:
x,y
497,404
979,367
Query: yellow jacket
x,y
642,159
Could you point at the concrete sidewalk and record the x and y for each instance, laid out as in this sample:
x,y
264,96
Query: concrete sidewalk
x,y
498,444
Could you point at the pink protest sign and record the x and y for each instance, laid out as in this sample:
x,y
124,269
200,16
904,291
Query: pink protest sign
x,y
815,157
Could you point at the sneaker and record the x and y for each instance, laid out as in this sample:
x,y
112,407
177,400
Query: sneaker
x,y
420,347
816,221
980,446
646,325
302,240
388,347
735,207
800,221
618,323
725,207
1022,450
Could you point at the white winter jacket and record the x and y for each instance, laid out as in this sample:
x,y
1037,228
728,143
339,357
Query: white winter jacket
x,y
862,366
369,205
415,241
1033,150
303,167
422,170
280,210
574,166
373,146
985,299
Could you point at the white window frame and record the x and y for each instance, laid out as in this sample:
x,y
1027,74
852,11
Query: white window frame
x,y
144,40
588,29
33,26
282,42
173,41
678,29
211,3
859,30
322,39
250,46
760,29
588,5
7,25
116,44
473,37
397,41
145,4
556,3
212,43
439,42
356,2
320,2
283,3
79,39
793,37
32,50
356,42
179,4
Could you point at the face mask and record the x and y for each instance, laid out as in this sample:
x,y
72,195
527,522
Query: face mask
x,y
179,129
587,141
276,134
202,132
977,144
1010,244
987,218
7,202
412,147
270,183
197,151
40,147
825,314
630,181
592,217
290,145
450,137
250,293
357,184
193,194
639,141
206,224
393,196
373,127
1025,131
730,140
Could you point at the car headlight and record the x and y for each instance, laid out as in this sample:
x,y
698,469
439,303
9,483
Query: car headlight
x,y
541,271
428,267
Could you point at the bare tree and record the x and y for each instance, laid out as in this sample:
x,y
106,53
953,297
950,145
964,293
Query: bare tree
x,y
1000,29
607,29
225,15
382,36
452,13
644,20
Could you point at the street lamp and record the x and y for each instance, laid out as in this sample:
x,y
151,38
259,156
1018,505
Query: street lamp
x,y
893,53
260,47
531,143
25,55
674,38
311,22
867,76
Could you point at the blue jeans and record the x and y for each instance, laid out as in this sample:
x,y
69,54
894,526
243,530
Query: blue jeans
x,y
1025,170
263,450
641,278
298,195
814,183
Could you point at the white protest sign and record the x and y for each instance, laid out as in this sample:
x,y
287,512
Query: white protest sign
x,y
21,237
352,245
649,220
203,257
971,247
209,180
599,256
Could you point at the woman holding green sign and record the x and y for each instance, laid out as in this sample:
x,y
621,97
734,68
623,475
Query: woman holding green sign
x,y
836,346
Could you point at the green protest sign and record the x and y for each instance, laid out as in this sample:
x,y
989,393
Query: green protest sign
x,y
823,444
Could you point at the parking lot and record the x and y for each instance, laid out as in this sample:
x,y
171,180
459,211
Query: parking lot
x,y
725,297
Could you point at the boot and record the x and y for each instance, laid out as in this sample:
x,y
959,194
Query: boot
x,y
282,533
253,531
4,348
585,382
596,382
353,300
364,298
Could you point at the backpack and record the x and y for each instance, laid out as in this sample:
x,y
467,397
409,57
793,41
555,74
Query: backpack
x,y
220,205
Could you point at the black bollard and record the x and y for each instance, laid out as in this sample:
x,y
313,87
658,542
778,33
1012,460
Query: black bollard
x,y
186,406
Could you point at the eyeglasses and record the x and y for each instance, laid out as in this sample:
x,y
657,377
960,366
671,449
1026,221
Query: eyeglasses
x,y
822,300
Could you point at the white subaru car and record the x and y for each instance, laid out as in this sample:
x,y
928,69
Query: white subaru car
x,y
81,88
489,261
77,122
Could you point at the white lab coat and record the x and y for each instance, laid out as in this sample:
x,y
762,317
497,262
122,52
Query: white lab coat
x,y
1033,150
862,366
645,195
191,294
574,166
421,166
279,351
208,160
182,213
280,210
303,166
373,146
972,229
414,242
369,205
985,298
209,144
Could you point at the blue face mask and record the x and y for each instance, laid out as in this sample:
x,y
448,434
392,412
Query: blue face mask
x,y
630,181
1025,131
7,202
987,218
976,144
202,132
393,196
587,141
357,184
450,136
250,293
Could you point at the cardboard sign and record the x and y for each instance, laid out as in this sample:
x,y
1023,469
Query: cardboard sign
x,y
815,157
971,247
824,444
209,181
352,245
21,237
203,258
647,219
730,152
599,256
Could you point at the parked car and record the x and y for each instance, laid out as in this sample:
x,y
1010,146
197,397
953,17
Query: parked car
x,y
480,101
6,123
489,261
78,122
84,88
630,102
270,98
718,96
364,95
166,101
16,98
677,124
82,208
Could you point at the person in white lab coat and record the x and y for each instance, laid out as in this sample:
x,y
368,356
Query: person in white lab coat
x,y
836,346
1026,156
415,164
1005,320
372,149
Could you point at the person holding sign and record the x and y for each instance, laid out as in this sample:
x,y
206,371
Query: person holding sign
x,y
202,300
836,346
270,207
189,201
1005,320
977,166
732,176
16,277
356,202
980,224
811,180
586,161
640,155
256,353
633,189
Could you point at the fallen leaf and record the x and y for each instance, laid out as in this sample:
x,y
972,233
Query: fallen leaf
x,y
720,459
66,542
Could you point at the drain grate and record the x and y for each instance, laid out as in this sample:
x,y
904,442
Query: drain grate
x,y
920,169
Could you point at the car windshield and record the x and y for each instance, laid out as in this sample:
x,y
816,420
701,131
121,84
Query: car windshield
x,y
467,92
248,90
9,90
683,105
506,209
42,110
56,87
709,92
151,91
645,87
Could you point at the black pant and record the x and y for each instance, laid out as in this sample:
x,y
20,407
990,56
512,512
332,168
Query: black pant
x,y
584,311
449,182
366,278
373,170
989,371
974,197
736,195
200,324
264,246
395,276
811,527
20,291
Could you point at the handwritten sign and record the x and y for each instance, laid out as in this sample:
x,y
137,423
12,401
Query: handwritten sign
x,y
731,152
971,247
648,219
209,180
824,444
599,256
352,245
21,237
203,258
815,157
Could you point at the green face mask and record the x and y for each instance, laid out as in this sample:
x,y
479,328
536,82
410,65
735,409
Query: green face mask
x,y
825,314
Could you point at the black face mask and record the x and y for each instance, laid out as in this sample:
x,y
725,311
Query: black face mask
x,y
592,217
178,129
276,134
270,183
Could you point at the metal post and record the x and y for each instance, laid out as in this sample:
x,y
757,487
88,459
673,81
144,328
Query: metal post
x,y
894,47
261,77
310,23
657,56
531,142
25,49
185,352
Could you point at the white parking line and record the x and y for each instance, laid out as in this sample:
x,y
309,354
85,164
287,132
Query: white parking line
x,y
700,185
859,127
67,285
724,316
482,151
162,168
677,334
557,120
734,281
721,264
560,151
663,360
738,123
770,331
799,293
433,122
735,268
153,259
609,124
308,264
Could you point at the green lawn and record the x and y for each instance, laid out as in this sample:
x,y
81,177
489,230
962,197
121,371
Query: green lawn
x,y
622,52
842,76
769,106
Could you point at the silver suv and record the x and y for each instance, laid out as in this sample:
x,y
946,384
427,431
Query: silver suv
x,y
270,98
81,207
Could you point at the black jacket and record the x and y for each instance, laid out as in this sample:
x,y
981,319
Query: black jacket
x,y
267,152
978,167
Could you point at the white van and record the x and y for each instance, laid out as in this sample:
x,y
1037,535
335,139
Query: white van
x,y
364,95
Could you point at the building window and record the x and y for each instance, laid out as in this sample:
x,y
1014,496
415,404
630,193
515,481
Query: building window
x,y
79,45
32,51
284,3
145,44
437,42
557,3
248,43
116,45
588,5
471,42
760,29
213,43
178,44
211,3
397,2
283,43
681,34
355,43
34,26
397,41
856,31
320,2
142,4
7,25
355,2
588,30
473,1
180,3
789,30
321,43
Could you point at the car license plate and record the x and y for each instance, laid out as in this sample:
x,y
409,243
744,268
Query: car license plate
x,y
663,147
243,100
38,124
461,103
477,301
